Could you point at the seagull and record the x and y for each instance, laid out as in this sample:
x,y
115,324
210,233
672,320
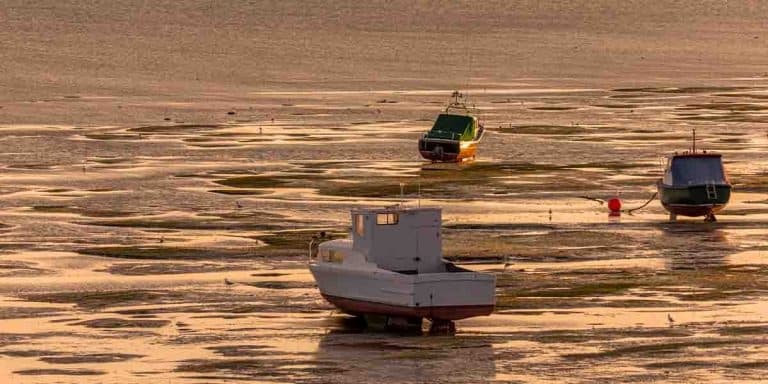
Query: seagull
x,y
227,282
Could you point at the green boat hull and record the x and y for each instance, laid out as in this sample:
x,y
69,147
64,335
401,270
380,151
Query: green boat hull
x,y
694,200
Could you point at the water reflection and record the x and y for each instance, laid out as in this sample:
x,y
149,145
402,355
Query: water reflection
x,y
695,245
367,354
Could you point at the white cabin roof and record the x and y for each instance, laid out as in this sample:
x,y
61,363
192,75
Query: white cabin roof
x,y
392,209
337,245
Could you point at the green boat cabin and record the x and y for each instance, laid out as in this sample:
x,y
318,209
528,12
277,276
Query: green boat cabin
x,y
453,127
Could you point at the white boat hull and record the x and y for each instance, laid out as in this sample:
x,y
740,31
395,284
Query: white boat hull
x,y
437,296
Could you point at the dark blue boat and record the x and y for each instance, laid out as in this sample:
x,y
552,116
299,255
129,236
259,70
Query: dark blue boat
x,y
694,184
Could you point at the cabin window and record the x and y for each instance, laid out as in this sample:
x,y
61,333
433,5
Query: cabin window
x,y
697,170
360,225
335,257
387,218
331,256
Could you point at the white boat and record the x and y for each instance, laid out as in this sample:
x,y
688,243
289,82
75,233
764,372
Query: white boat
x,y
393,266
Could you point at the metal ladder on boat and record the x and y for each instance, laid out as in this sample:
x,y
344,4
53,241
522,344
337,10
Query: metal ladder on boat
x,y
711,191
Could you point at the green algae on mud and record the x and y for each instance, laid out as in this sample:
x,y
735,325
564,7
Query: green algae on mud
x,y
175,128
544,129
617,106
112,136
224,221
237,192
102,299
59,372
253,182
732,117
239,350
653,349
12,268
29,312
89,358
549,245
725,107
114,322
30,353
207,300
249,369
286,243
153,252
588,336
297,239
80,211
442,180
740,329
519,290
280,284
684,90
141,269
553,108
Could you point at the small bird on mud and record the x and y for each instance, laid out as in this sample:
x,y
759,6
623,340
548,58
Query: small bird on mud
x,y
670,319
162,239
228,282
238,205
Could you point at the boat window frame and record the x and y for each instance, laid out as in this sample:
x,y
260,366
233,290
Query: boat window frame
x,y
387,218
360,225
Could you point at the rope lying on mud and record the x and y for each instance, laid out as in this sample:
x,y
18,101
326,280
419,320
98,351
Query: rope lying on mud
x,y
601,201
642,206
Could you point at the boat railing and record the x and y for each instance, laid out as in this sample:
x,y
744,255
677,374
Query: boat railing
x,y
462,107
480,133
313,250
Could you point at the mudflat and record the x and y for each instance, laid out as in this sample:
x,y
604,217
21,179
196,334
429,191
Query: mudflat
x,y
148,152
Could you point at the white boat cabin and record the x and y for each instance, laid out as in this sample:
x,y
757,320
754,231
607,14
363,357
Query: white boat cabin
x,y
399,239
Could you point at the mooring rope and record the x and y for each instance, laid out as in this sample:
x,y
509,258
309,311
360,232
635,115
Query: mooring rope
x,y
642,206
601,201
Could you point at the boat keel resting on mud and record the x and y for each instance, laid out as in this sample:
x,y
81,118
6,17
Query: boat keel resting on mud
x,y
393,266
454,136
694,184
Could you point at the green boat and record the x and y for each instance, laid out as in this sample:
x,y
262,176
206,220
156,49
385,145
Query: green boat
x,y
694,184
454,135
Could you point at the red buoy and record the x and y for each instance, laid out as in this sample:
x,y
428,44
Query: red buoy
x,y
614,204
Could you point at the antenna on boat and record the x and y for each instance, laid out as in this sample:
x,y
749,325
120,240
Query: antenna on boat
x,y
402,195
693,150
469,72
456,96
419,192
469,78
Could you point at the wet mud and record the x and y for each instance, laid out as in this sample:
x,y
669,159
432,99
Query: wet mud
x,y
156,230
165,262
